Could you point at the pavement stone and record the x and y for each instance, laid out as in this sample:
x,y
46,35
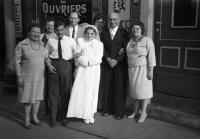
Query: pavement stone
x,y
161,123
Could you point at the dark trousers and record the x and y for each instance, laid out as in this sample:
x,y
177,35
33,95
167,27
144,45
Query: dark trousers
x,y
59,89
46,92
114,90
100,95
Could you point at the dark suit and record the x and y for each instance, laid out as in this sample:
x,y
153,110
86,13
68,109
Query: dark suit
x,y
79,34
114,79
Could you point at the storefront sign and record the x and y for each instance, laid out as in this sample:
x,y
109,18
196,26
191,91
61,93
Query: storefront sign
x,y
64,7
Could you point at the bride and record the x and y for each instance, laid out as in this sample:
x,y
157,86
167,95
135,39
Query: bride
x,y
84,94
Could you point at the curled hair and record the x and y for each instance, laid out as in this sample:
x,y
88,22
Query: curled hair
x,y
139,23
33,25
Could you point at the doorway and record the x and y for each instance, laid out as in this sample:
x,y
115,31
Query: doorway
x,y
177,41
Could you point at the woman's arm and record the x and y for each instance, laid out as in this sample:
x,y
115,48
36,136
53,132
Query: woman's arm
x,y
151,58
18,60
79,55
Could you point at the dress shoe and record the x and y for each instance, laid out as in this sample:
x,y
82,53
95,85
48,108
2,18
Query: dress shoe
x,y
131,116
142,118
105,114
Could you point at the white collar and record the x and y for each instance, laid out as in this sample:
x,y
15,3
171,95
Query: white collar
x,y
114,29
61,38
76,27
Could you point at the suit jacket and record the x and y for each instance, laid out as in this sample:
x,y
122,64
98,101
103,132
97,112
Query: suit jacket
x,y
80,32
113,47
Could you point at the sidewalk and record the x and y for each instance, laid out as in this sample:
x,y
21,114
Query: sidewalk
x,y
104,127
174,116
162,113
11,125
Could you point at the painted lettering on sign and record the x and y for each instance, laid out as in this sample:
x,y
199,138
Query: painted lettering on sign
x,y
63,9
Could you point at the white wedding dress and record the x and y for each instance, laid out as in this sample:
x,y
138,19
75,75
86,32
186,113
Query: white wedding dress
x,y
84,94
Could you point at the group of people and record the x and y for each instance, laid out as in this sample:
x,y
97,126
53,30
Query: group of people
x,y
79,69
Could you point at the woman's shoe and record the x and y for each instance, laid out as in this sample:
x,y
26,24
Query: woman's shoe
x,y
91,120
142,118
27,126
86,121
37,123
131,116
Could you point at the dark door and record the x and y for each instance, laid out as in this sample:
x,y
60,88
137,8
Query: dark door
x,y
177,39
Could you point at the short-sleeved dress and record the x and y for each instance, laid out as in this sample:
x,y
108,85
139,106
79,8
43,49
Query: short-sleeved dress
x,y
30,65
141,55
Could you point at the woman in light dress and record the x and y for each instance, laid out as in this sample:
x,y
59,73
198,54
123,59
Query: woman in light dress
x,y
141,61
84,94
30,57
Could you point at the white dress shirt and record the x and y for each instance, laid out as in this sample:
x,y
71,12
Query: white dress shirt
x,y
113,31
71,30
68,46
53,35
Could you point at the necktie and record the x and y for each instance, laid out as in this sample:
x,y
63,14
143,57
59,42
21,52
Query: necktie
x,y
73,32
59,49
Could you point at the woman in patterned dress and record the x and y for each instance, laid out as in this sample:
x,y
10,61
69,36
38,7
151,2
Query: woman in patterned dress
x,y
30,57
141,61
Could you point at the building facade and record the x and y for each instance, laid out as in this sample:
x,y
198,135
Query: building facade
x,y
174,26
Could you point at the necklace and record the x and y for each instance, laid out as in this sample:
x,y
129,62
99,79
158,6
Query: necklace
x,y
33,48
137,39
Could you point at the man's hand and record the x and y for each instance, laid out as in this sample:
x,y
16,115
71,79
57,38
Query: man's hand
x,y
51,68
78,54
112,62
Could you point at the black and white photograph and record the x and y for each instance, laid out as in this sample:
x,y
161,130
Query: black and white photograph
x,y
100,69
